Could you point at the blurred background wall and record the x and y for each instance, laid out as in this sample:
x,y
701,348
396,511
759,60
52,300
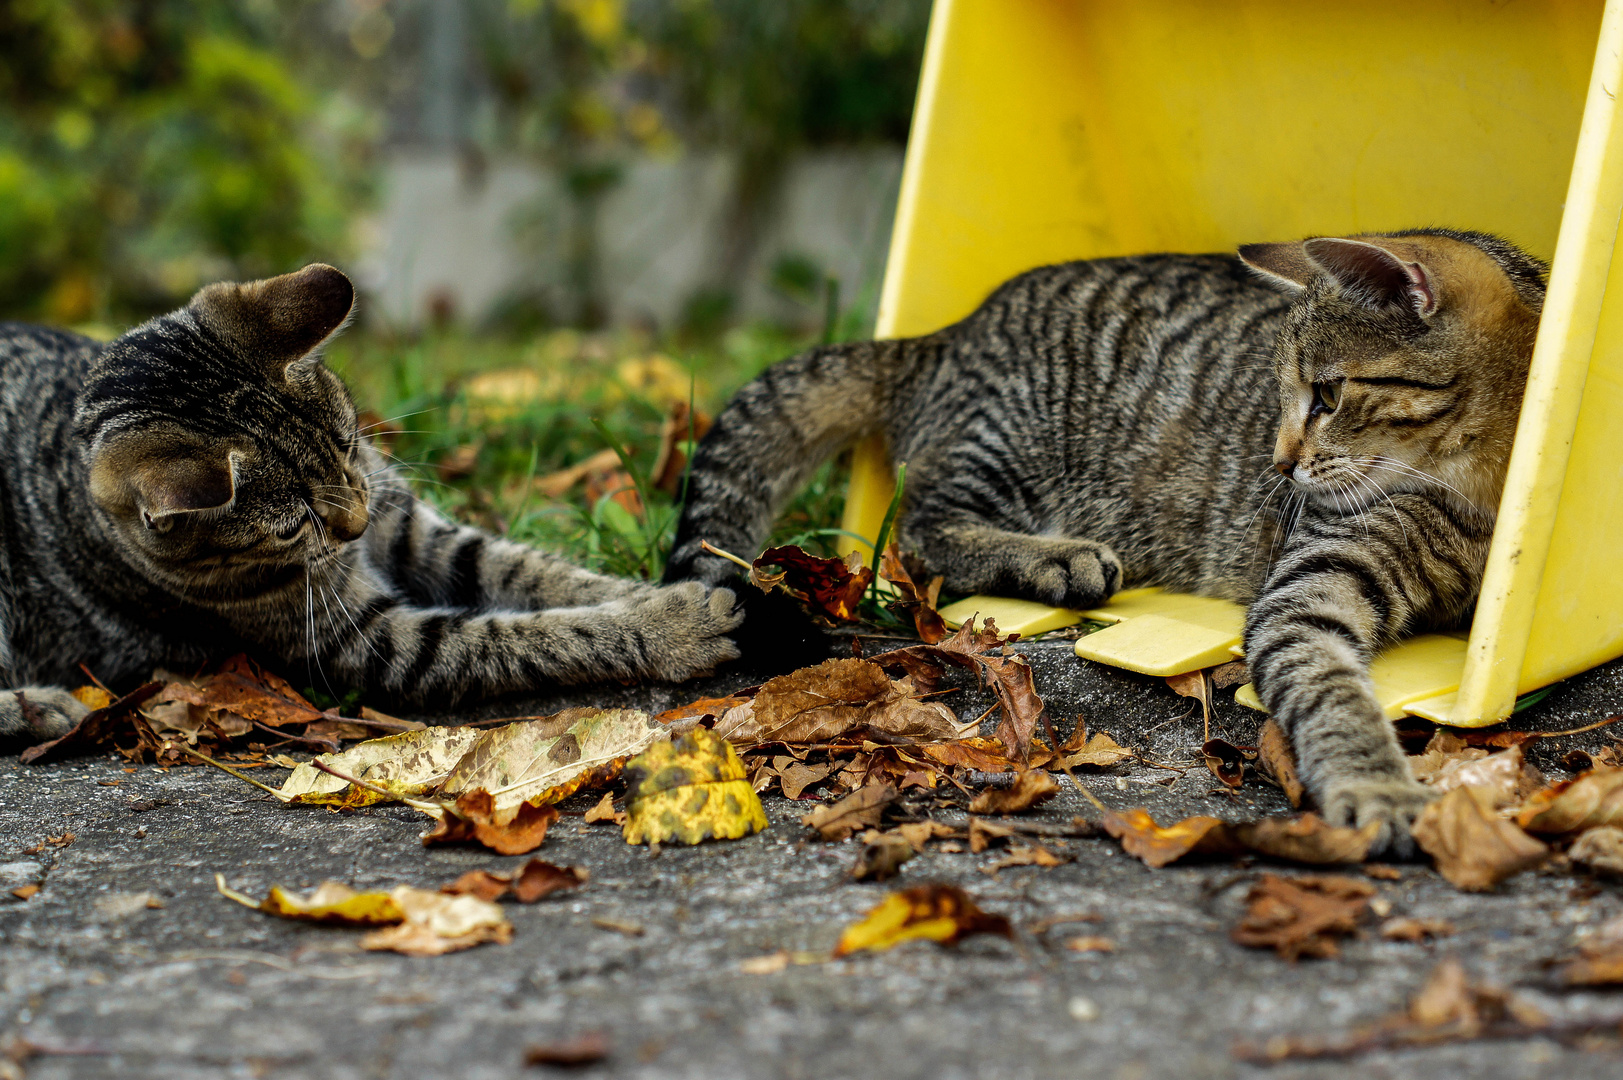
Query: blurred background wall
x,y
676,166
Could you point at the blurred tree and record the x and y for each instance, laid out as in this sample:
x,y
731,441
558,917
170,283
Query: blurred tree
x,y
149,146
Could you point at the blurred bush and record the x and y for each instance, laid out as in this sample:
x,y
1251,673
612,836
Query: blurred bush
x,y
150,146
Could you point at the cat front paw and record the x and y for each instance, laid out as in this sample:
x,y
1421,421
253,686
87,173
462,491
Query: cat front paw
x,y
50,712
1077,574
1392,802
688,626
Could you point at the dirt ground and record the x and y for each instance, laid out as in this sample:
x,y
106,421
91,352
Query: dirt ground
x,y
101,982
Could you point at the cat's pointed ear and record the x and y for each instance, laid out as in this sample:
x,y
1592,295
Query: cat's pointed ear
x,y
1284,266
158,487
278,320
1373,276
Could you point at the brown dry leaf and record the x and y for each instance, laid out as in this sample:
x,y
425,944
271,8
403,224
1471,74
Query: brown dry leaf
x,y
833,699
1416,930
25,892
436,924
513,831
1595,798
92,697
1233,673
605,811
1305,839
1505,774
585,1049
1099,752
856,812
1474,847
1383,873
1274,758
1600,958
1031,788
698,710
796,778
915,603
1143,839
1090,943
1225,760
1008,675
830,588
919,833
119,724
536,879
984,755
1193,684
983,834
547,759
1026,855
1444,749
670,465
1599,850
1449,1008
944,914
882,855
481,883
1302,916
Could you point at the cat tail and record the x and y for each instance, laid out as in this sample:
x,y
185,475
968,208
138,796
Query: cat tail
x,y
767,443
765,446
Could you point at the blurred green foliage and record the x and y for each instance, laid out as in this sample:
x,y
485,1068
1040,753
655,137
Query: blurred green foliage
x,y
149,147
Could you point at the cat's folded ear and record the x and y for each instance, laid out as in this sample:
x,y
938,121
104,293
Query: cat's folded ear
x,y
1284,266
157,483
278,320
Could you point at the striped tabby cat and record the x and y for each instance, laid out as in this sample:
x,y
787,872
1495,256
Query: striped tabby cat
x,y
1320,429
198,487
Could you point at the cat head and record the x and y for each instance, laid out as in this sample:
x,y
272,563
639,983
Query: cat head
x,y
1401,363
222,451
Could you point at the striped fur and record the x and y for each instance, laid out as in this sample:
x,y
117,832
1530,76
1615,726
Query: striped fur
x,y
1165,420
198,487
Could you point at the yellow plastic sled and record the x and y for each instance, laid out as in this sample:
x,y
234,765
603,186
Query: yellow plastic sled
x,y
1049,130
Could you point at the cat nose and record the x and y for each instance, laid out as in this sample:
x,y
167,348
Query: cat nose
x,y
1284,465
345,523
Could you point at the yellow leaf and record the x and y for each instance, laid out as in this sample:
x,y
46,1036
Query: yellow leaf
x,y
416,922
411,763
534,761
941,913
332,902
689,790
93,697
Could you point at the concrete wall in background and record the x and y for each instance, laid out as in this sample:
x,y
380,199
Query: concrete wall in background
x,y
457,236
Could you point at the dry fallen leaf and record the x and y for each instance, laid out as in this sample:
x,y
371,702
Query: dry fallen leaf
x,y
1275,759
1099,752
1415,930
1305,839
534,880
1090,943
1156,846
1031,788
689,790
944,914
515,830
983,834
830,588
856,812
1595,798
1505,775
796,778
833,699
1302,916
605,811
92,697
1028,855
569,1053
25,892
414,921
1225,760
1474,847
704,707
1599,850
914,603
882,855
919,833
1600,958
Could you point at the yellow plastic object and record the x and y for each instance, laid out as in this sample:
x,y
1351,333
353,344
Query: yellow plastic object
x,y
1049,130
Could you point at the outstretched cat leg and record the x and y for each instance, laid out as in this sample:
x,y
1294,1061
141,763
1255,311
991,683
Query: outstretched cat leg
x,y
975,557
36,714
1346,587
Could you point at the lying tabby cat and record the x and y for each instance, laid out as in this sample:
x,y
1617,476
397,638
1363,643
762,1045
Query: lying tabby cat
x,y
198,487
1111,423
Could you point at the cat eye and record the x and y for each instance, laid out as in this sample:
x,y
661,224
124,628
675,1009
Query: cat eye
x,y
291,531
1326,396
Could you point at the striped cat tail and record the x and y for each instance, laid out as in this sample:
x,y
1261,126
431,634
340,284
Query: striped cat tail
x,y
771,438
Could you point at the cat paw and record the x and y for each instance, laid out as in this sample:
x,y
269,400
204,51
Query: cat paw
x,y
688,626
1075,574
51,713
1394,803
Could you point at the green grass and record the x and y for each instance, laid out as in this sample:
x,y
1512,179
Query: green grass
x,y
482,419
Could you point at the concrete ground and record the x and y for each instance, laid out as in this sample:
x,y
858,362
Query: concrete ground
x,y
101,985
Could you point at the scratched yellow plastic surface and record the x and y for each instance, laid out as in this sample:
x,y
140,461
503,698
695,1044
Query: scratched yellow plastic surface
x,y
1065,129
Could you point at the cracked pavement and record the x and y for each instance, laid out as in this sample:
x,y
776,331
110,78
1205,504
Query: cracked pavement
x,y
104,982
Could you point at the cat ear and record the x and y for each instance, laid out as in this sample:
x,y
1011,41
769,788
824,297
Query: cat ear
x,y
279,320
1373,276
159,488
1283,266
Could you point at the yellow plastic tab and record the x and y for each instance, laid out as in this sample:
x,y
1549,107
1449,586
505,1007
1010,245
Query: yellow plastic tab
x,y
1049,130
1408,679
1023,617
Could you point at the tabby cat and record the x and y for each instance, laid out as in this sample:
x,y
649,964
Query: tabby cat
x,y
1319,429
199,487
